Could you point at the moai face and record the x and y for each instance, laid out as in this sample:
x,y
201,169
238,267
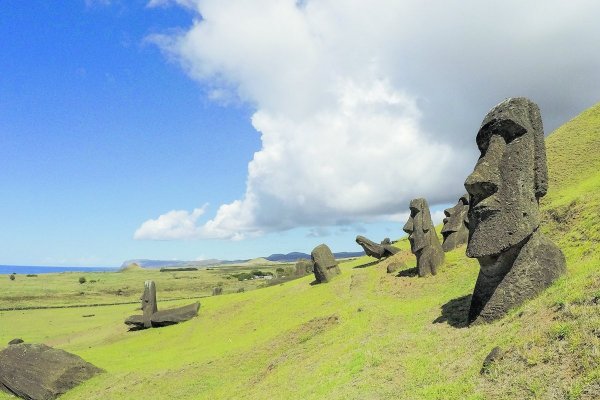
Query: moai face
x,y
418,225
508,179
456,217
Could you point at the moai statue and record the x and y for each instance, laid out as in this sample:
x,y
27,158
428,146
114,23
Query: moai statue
x,y
456,224
149,306
303,267
325,266
424,242
517,262
372,249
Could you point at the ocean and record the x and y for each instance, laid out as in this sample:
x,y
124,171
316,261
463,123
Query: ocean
x,y
37,269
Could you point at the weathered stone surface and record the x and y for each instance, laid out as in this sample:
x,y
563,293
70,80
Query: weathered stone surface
x,y
395,266
175,315
217,291
491,358
149,305
372,249
517,262
39,372
303,267
325,265
456,224
15,341
165,317
424,242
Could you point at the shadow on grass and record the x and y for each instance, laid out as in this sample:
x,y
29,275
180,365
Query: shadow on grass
x,y
455,312
366,265
408,273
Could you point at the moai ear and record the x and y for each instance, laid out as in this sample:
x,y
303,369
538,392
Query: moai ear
x,y
540,165
427,222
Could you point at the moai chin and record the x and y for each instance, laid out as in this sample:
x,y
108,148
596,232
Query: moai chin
x,y
325,266
456,224
149,306
424,242
516,261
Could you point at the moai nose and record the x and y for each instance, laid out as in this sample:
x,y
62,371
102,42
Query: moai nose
x,y
408,227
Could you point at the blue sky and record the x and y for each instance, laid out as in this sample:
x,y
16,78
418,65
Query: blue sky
x,y
281,125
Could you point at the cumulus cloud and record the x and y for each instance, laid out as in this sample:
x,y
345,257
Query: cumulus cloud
x,y
175,224
362,106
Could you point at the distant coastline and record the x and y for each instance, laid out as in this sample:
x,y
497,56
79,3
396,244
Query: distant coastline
x,y
40,269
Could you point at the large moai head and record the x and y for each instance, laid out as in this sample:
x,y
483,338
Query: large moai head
x,y
517,262
509,178
424,242
325,265
456,224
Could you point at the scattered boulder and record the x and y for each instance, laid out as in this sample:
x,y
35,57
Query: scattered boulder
x,y
217,291
151,317
325,265
516,260
456,224
40,372
303,267
424,242
379,251
16,341
492,357
395,266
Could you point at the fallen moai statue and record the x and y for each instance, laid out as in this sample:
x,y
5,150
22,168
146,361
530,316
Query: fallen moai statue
x,y
456,224
516,260
40,372
379,251
151,317
325,266
424,242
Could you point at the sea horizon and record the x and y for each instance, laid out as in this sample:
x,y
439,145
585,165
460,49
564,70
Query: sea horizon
x,y
47,269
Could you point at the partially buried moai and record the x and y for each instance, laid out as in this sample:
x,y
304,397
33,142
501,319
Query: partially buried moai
x,y
424,242
325,265
517,262
149,306
456,224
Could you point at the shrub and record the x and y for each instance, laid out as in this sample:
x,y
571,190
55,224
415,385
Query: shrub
x,y
82,279
12,277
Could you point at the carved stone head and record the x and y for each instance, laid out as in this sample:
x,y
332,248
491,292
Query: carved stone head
x,y
456,224
509,178
424,242
419,225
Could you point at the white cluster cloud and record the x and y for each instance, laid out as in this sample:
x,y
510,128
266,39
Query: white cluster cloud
x,y
362,106
176,224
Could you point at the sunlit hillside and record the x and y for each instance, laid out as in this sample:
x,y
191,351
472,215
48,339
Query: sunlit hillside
x,y
367,334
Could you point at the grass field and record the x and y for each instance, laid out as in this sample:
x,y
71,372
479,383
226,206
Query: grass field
x,y
367,334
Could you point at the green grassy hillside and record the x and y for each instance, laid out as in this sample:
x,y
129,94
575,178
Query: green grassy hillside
x,y
367,334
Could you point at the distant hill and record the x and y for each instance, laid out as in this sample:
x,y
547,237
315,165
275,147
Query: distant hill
x,y
278,257
295,256
170,263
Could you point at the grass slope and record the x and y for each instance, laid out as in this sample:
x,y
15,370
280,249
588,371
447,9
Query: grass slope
x,y
367,334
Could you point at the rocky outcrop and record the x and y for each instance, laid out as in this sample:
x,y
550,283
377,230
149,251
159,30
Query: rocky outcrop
x,y
40,372
516,261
